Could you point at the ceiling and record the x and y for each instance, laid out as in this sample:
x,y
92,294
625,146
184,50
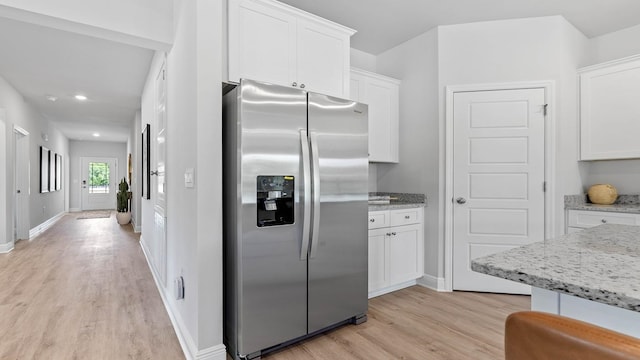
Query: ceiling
x,y
383,24
40,61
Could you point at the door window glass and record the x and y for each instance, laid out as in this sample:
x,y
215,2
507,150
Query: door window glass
x,y
98,178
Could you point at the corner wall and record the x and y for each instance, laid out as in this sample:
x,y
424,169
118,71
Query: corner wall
x,y
194,215
42,207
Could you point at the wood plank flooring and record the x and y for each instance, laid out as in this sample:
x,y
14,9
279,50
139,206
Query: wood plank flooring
x,y
83,290
418,323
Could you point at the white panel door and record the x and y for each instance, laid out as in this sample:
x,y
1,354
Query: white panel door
x,y
160,185
377,261
323,60
262,43
405,250
21,184
498,175
98,181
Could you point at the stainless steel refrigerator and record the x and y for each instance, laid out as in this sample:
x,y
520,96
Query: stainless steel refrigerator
x,y
295,215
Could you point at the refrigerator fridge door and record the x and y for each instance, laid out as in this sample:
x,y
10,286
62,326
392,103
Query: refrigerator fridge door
x,y
271,275
338,257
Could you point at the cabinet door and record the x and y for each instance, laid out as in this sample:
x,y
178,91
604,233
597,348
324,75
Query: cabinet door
x,y
262,43
405,253
377,264
610,111
323,59
382,98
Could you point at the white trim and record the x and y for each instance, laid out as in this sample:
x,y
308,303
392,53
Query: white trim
x,y
605,64
432,282
549,158
188,345
392,288
5,248
44,226
20,130
75,209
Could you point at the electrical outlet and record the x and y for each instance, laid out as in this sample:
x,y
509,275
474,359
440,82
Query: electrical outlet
x,y
179,288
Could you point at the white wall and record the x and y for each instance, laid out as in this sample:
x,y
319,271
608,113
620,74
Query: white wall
x,y
623,174
415,63
145,23
363,60
194,215
42,207
106,149
134,147
5,209
534,49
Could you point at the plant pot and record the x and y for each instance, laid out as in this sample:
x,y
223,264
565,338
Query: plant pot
x,y
123,217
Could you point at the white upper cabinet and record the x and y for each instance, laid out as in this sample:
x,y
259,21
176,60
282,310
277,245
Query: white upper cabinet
x,y
382,94
273,42
610,110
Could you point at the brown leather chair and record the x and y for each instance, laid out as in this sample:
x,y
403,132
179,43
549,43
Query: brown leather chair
x,y
531,335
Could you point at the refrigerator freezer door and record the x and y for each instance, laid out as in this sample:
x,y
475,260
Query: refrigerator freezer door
x,y
272,277
338,260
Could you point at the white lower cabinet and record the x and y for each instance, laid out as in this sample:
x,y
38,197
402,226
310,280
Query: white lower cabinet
x,y
582,219
395,250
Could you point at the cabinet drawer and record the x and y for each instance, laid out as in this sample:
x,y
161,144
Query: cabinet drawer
x,y
586,219
378,219
405,217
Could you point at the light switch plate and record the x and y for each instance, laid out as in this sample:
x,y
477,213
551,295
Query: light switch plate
x,y
188,178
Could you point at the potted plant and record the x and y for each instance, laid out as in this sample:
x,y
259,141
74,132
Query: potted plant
x,y
123,215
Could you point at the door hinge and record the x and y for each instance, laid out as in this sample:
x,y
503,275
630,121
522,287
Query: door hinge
x,y
544,111
544,186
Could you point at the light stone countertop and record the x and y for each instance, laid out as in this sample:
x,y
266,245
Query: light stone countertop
x,y
398,201
624,204
396,206
601,264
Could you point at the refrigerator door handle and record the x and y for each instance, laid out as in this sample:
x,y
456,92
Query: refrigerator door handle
x,y
316,194
306,175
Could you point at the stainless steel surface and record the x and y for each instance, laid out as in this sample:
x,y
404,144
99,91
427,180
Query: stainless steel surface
x,y
461,200
306,174
280,284
338,273
315,160
271,281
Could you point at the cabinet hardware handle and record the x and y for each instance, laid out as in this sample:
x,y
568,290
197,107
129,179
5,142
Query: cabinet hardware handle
x,y
393,233
604,221
388,234
301,86
407,217
294,84
372,220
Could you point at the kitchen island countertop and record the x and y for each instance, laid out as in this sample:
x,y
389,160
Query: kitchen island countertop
x,y
600,264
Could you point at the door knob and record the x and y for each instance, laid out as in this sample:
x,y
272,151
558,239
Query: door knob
x,y
153,173
461,200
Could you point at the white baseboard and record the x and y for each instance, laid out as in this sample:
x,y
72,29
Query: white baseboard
x,y
44,226
188,345
391,288
5,248
136,228
75,209
432,282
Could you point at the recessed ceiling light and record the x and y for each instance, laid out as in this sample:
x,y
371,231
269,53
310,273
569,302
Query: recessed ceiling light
x,y
51,98
81,97
96,134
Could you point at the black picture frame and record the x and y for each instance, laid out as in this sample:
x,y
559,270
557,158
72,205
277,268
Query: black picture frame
x,y
44,169
146,163
52,171
58,172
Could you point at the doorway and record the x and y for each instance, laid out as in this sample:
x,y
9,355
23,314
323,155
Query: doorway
x,y
98,182
21,183
496,190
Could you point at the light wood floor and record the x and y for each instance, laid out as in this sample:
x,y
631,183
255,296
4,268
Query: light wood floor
x,y
82,290
418,323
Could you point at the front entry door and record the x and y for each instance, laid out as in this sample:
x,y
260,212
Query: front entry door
x,y
498,171
98,183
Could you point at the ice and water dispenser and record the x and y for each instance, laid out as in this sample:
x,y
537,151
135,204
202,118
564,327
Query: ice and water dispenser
x,y
274,196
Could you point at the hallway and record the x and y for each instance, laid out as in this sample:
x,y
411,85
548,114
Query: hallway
x,y
82,290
